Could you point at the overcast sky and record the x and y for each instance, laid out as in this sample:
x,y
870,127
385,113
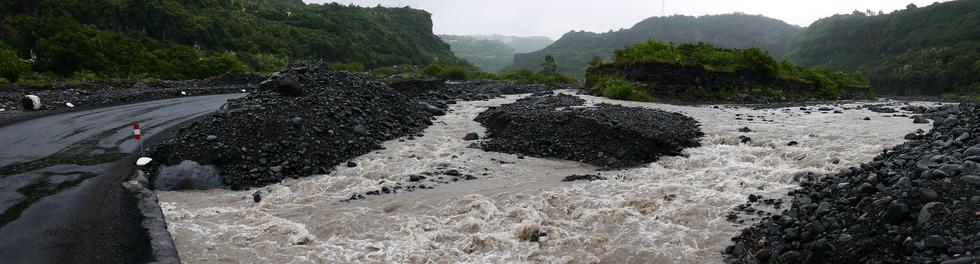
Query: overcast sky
x,y
552,18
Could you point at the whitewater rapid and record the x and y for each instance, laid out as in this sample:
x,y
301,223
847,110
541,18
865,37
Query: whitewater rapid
x,y
671,211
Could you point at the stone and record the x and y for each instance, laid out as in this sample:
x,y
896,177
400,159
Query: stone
x,y
896,213
744,130
471,136
929,194
972,151
31,102
920,120
432,109
360,130
211,138
936,242
793,143
973,180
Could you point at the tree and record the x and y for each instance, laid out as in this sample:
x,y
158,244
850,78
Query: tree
x,y
911,6
549,65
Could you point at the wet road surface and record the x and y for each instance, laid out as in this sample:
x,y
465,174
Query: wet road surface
x,y
60,197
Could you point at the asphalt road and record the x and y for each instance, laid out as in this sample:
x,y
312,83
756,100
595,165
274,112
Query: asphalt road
x,y
60,198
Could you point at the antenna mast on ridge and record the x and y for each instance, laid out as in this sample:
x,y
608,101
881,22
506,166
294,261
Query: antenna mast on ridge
x,y
663,9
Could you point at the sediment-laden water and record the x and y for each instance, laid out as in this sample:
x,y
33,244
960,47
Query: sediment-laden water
x,y
671,211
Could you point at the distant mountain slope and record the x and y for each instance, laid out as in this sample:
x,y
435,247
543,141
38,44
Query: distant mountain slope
x,y
919,50
575,50
519,44
173,39
488,55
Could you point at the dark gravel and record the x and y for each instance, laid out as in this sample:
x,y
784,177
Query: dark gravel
x,y
302,121
918,202
551,126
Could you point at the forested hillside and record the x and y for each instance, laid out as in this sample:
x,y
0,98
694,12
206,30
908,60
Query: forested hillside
x,y
920,50
488,55
519,44
576,49
178,39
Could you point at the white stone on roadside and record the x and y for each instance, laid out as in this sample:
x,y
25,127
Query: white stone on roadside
x,y
143,161
70,105
31,102
243,90
183,93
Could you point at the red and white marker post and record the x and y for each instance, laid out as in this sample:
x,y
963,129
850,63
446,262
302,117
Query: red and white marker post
x,y
137,135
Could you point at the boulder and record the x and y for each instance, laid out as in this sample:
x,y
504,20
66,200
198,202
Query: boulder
x,y
31,102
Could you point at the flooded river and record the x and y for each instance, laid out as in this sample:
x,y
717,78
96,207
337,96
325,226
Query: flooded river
x,y
671,211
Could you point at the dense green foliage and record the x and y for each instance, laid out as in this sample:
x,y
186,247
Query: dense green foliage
x,y
178,39
920,50
488,55
751,64
11,67
575,50
619,89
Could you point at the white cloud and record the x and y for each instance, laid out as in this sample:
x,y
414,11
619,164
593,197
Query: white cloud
x,y
553,18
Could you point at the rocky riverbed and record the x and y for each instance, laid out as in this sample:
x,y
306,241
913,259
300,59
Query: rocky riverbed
x,y
918,202
303,121
519,209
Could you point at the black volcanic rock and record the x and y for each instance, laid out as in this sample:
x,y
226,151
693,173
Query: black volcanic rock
x,y
557,126
915,203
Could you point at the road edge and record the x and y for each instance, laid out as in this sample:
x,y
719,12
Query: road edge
x,y
163,249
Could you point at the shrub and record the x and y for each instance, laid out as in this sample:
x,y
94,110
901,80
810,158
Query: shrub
x,y
620,89
11,67
351,66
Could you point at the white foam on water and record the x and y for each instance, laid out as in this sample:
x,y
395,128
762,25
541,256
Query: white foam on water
x,y
671,211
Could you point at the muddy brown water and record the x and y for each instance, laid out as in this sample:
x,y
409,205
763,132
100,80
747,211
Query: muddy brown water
x,y
671,211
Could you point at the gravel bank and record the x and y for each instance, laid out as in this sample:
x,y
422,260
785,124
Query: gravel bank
x,y
559,126
302,121
918,202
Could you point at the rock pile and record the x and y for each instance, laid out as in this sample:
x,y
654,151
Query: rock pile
x,y
558,126
302,121
918,202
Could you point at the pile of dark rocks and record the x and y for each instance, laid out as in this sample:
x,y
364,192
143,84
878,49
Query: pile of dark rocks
x,y
918,202
302,121
558,126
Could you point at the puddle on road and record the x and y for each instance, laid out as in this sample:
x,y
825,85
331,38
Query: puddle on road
x,y
671,211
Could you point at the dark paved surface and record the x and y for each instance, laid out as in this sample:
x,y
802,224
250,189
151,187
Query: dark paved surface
x,y
60,197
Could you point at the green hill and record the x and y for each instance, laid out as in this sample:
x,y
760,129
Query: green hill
x,y
488,55
916,51
519,44
178,39
575,50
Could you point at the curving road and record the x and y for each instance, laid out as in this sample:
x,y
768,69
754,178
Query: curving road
x,y
60,198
